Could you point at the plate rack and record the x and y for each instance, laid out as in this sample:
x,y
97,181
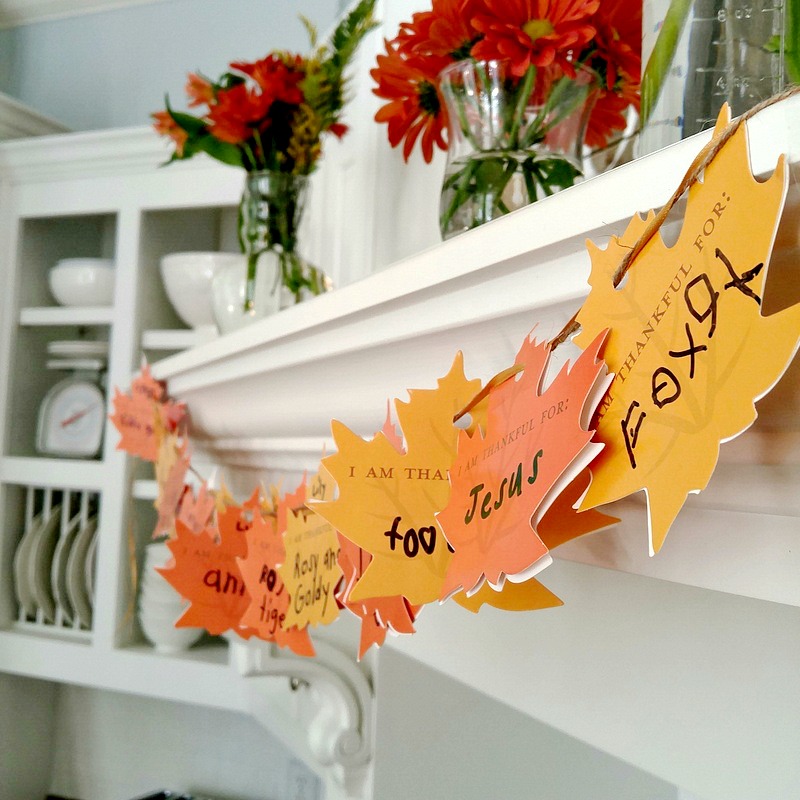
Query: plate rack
x,y
54,562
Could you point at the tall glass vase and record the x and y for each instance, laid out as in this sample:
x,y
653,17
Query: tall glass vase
x,y
703,53
271,212
510,142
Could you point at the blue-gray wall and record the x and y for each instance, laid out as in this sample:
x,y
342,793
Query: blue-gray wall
x,y
112,69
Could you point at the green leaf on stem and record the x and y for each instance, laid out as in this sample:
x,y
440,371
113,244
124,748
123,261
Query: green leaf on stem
x,y
191,124
223,151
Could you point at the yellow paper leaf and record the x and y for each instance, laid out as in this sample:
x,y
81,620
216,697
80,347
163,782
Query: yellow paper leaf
x,y
311,570
689,346
388,499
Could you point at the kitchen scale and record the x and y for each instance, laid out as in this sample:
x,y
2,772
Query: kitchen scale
x,y
73,412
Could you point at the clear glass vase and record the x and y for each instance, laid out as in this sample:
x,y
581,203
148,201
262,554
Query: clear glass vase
x,y
507,146
270,215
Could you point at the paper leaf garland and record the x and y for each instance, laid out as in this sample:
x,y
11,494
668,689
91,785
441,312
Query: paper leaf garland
x,y
137,416
688,344
535,443
206,573
388,498
311,569
269,598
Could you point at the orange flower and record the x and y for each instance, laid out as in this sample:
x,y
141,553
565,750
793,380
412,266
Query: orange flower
x,y
538,32
164,125
277,79
608,114
445,30
199,90
237,112
619,41
415,109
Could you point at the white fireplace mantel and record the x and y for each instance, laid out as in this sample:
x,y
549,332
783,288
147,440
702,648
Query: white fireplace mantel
x,y
263,397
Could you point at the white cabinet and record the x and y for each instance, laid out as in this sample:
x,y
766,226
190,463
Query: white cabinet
x,y
106,195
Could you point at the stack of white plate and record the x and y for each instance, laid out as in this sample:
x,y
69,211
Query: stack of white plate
x,y
160,606
78,354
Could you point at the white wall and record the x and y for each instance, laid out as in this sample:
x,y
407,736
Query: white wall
x,y
697,687
110,746
112,69
437,738
26,737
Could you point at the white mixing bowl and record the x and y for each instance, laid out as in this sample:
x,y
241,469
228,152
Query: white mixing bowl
x,y
187,280
82,281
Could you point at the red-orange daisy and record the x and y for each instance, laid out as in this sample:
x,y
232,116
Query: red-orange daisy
x,y
608,114
277,79
445,30
414,109
538,32
237,112
618,42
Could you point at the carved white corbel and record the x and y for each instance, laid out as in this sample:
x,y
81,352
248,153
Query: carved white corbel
x,y
339,733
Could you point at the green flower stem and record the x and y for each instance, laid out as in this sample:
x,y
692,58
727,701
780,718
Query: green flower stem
x,y
461,180
523,101
530,185
250,285
792,40
260,146
465,127
538,129
249,153
660,60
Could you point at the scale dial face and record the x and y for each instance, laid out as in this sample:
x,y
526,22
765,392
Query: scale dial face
x,y
71,420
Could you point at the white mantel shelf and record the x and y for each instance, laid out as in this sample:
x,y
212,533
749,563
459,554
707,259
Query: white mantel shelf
x,y
344,354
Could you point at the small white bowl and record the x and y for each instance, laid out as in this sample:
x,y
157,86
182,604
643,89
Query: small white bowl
x,y
168,613
187,280
165,637
82,281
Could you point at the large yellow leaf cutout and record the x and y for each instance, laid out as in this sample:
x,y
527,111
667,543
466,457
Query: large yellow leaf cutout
x,y
311,569
388,498
688,344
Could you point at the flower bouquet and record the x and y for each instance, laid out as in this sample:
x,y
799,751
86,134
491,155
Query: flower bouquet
x,y
514,90
268,117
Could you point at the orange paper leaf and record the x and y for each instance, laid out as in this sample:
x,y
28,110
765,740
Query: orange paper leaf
x,y
138,415
561,523
689,346
269,604
196,510
536,441
206,573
